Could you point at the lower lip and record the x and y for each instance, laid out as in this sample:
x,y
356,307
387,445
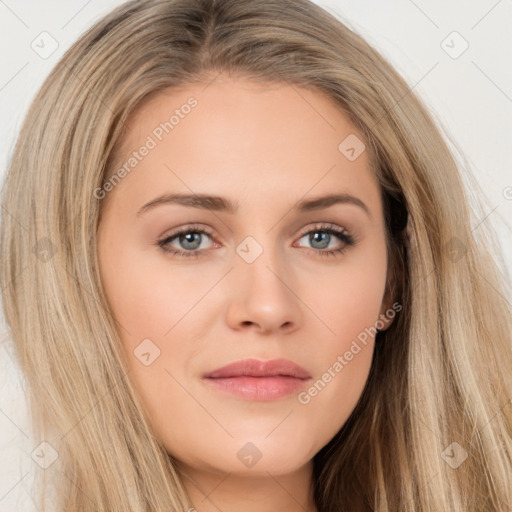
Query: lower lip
x,y
258,388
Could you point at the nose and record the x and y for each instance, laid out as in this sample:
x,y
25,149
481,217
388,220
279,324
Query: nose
x,y
263,295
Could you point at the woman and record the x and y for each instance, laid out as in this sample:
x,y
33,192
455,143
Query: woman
x,y
250,371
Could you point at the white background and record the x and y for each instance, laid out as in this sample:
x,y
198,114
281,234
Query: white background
x,y
471,96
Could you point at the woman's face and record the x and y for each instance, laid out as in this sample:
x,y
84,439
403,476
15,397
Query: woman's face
x,y
252,165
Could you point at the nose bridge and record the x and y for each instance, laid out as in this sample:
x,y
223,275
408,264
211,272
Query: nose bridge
x,y
260,262
264,285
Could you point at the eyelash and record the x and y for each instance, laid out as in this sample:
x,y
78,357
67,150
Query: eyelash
x,y
330,229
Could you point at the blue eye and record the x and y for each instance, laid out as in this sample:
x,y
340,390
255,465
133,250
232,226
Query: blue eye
x,y
327,232
190,239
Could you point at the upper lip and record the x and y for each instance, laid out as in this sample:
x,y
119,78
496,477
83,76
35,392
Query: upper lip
x,y
257,368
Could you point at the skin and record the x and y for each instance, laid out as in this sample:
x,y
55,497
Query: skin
x,y
266,147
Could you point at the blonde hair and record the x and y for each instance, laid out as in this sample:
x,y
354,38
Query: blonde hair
x,y
442,372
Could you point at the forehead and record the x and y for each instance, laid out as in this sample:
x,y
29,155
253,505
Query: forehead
x,y
244,138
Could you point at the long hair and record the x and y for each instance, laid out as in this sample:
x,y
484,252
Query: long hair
x,y
432,429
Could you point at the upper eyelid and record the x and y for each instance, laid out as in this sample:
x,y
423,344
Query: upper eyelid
x,y
319,226
323,226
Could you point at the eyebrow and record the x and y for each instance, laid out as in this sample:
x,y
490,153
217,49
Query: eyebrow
x,y
222,204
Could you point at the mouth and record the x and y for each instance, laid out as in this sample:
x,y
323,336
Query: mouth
x,y
253,379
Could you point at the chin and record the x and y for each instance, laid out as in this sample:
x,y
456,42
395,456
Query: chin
x,y
251,455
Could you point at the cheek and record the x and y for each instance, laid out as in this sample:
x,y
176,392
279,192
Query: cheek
x,y
152,298
349,307
348,298
157,307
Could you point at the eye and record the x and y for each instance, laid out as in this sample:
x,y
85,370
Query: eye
x,y
326,234
191,237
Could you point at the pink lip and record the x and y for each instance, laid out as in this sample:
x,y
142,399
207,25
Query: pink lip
x,y
259,380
